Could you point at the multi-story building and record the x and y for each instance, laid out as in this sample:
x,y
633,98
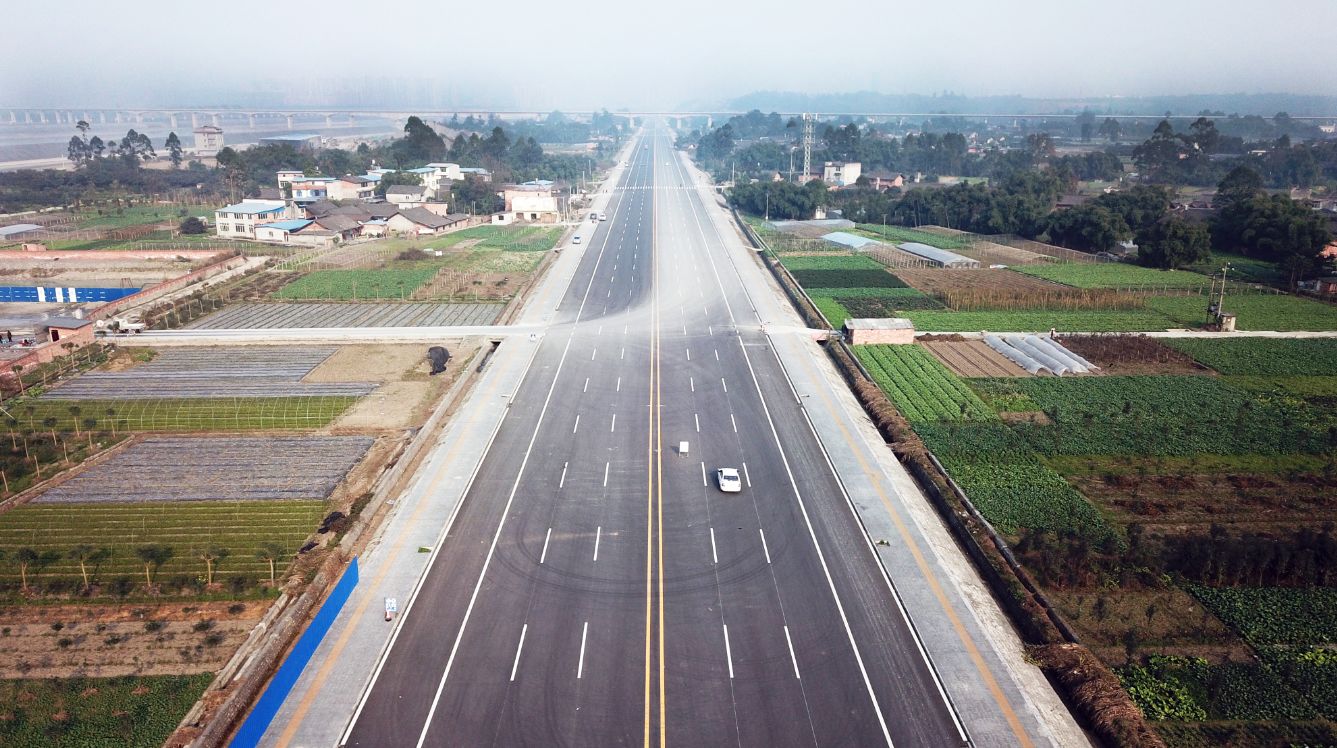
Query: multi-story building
x,y
841,173
352,188
208,140
239,221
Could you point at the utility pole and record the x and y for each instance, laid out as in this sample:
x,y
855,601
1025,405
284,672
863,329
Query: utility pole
x,y
807,143
1216,298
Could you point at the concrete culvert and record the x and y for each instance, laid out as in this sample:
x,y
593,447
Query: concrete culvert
x,y
438,356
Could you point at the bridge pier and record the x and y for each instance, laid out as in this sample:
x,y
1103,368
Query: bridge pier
x,y
290,118
215,119
250,118
171,119
329,120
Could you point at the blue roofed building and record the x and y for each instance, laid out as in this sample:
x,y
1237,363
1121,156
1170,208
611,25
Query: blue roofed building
x,y
280,232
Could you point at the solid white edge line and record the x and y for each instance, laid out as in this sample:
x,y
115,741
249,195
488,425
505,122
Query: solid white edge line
x,y
546,538
792,657
728,651
518,649
580,664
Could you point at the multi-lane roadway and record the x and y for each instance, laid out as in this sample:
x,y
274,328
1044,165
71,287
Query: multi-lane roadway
x,y
596,588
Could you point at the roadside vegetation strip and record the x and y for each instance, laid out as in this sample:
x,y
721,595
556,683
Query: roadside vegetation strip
x,y
1252,311
188,530
1268,357
134,711
216,468
1040,321
1115,275
200,414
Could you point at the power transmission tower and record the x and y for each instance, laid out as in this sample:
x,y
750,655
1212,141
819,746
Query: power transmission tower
x,y
807,145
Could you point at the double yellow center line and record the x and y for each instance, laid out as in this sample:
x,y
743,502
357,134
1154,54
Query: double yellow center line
x,y
654,497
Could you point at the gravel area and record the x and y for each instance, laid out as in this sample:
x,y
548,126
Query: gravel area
x,y
214,469
261,315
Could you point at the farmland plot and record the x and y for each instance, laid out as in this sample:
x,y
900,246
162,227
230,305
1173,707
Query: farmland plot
x,y
187,528
131,711
1267,357
1116,275
261,371
973,358
185,414
215,469
288,316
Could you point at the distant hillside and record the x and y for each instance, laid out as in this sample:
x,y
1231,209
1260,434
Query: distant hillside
x,y
1264,104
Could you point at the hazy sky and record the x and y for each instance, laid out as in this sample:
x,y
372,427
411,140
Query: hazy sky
x,y
523,54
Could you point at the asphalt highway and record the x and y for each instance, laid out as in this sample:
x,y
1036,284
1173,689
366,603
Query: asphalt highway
x,y
596,588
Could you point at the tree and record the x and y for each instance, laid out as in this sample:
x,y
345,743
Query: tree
x,y
475,194
153,556
25,557
1160,153
1173,243
77,151
86,554
420,143
1040,145
1241,184
271,552
1110,129
394,178
210,555
1274,228
96,147
192,225
1088,227
1086,124
174,150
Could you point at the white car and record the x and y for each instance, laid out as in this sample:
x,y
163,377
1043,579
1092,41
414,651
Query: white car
x,y
575,240
603,216
729,480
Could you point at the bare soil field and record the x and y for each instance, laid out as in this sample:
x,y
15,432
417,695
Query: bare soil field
x,y
105,271
972,358
1177,503
943,280
407,392
1131,354
63,641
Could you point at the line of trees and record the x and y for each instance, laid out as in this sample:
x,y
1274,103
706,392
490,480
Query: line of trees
x,y
151,556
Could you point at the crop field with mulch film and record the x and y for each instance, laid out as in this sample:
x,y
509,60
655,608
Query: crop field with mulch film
x,y
264,371
851,285
275,315
162,468
1178,511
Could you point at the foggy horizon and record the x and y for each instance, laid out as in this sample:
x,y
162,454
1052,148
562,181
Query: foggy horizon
x,y
539,56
